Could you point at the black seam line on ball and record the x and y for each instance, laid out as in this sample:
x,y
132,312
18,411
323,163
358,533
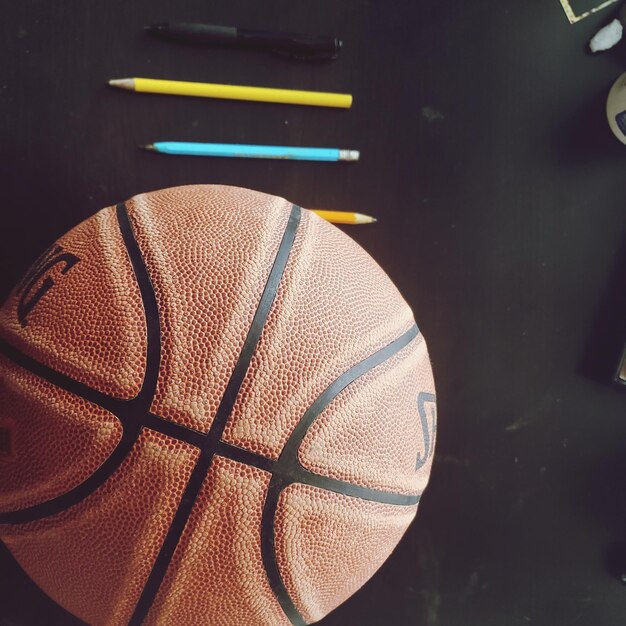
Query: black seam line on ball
x,y
222,414
129,412
151,312
111,404
354,491
307,477
80,492
288,469
235,453
174,430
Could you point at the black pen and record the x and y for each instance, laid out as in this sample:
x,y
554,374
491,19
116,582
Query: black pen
x,y
288,44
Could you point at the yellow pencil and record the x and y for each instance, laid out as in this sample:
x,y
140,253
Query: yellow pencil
x,y
234,92
344,217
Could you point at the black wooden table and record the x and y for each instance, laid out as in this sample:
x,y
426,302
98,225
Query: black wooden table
x,y
500,196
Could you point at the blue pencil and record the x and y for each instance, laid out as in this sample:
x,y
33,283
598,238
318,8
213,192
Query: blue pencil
x,y
246,151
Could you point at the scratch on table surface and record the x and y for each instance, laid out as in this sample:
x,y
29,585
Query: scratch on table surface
x,y
520,422
431,114
432,602
533,413
573,18
470,587
429,567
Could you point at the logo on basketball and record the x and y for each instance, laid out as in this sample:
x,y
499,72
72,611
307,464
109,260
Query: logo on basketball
x,y
427,409
31,290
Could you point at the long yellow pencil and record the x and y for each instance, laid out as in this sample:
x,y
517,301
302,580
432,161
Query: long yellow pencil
x,y
344,217
234,92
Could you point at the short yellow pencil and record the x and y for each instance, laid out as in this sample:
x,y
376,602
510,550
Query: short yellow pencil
x,y
344,217
234,92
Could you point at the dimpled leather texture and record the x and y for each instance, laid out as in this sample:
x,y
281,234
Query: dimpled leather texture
x,y
216,408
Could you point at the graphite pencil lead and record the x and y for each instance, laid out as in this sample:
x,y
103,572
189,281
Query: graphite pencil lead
x,y
149,146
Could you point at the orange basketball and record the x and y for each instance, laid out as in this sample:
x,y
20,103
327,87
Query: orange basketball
x,y
215,409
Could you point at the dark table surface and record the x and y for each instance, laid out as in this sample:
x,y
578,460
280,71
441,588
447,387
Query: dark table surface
x,y
499,190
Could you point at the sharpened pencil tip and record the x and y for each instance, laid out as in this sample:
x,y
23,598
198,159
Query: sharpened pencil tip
x,y
359,218
148,146
123,83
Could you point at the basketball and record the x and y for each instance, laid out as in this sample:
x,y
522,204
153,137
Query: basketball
x,y
216,408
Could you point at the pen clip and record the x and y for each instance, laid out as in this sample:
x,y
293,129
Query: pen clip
x,y
293,46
